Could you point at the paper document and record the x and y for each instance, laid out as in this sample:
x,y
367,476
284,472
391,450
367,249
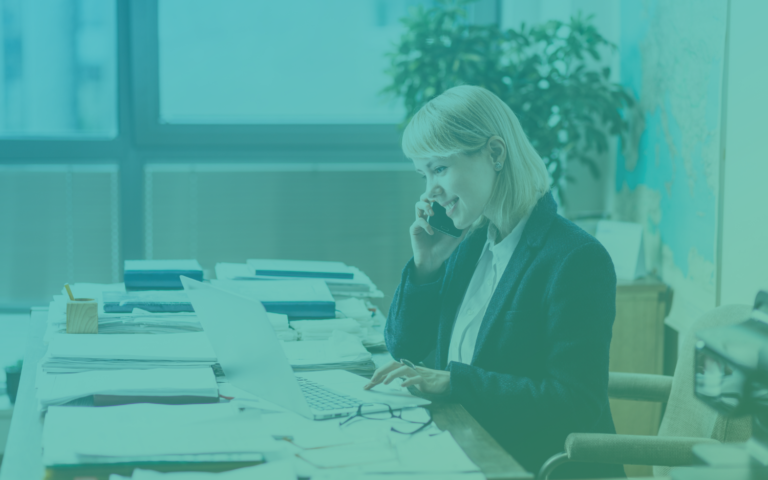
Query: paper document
x,y
280,470
145,431
150,301
340,351
79,353
624,242
300,269
307,298
159,382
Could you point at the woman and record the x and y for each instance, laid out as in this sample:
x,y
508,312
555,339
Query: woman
x,y
517,311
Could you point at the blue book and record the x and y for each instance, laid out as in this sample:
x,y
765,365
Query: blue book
x,y
154,274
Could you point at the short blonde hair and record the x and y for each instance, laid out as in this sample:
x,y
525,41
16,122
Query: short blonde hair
x,y
461,120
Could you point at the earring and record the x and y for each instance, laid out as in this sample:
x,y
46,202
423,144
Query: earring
x,y
497,166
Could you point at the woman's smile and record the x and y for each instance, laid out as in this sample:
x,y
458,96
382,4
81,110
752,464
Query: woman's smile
x,y
451,206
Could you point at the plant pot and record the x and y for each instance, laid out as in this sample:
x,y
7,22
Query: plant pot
x,y
12,377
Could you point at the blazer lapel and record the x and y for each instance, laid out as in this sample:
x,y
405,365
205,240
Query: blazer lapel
x,y
457,284
533,237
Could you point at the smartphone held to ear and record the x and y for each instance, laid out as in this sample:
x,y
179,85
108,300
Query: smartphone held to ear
x,y
441,221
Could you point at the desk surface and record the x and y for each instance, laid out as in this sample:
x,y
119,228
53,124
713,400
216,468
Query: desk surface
x,y
23,454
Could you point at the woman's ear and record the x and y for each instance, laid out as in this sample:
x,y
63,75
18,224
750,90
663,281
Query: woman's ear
x,y
498,149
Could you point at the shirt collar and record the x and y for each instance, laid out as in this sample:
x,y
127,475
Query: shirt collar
x,y
507,245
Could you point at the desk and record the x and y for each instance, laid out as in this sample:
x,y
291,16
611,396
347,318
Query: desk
x,y
23,454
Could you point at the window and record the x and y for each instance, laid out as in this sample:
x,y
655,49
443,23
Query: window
x,y
59,68
289,62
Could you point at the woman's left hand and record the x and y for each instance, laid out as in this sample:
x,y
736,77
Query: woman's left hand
x,y
425,379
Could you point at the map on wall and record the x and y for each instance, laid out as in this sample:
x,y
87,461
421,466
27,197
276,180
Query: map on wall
x,y
672,57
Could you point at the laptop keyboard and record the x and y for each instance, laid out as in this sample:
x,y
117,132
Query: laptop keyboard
x,y
320,398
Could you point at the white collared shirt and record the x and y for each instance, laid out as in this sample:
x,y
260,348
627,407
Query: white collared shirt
x,y
493,261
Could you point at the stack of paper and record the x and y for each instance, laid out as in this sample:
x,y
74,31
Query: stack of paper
x,y
150,300
280,470
282,327
340,351
81,353
342,280
355,317
234,271
146,433
143,322
322,329
159,385
146,323
160,273
296,298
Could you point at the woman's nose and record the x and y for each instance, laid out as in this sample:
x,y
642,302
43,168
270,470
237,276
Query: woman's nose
x,y
433,189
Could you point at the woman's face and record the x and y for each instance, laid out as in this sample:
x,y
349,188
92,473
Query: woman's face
x,y
460,183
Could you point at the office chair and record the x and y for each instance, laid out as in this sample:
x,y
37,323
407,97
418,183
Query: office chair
x,y
687,421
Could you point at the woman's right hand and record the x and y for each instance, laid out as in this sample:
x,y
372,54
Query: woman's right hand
x,y
430,247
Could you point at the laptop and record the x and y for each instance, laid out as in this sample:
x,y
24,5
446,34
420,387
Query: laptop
x,y
253,360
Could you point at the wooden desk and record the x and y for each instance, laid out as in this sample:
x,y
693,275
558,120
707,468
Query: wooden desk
x,y
23,455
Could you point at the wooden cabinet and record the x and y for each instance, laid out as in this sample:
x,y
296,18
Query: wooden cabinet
x,y
638,347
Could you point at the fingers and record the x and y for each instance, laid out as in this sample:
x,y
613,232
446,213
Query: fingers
x,y
421,223
424,209
380,374
403,371
417,380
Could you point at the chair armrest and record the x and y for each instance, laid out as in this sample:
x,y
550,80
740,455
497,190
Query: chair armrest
x,y
639,386
632,449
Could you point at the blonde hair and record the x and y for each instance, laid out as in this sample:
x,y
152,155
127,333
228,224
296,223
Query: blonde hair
x,y
461,120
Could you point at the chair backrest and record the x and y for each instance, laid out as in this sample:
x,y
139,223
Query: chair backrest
x,y
687,416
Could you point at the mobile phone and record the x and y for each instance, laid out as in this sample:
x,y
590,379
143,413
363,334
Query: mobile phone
x,y
441,221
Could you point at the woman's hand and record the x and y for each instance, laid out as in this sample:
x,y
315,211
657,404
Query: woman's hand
x,y
425,379
430,248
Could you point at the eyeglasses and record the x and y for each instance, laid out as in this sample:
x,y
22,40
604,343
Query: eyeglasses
x,y
387,415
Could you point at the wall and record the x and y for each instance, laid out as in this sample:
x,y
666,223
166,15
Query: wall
x,y
216,212
667,178
744,207
58,224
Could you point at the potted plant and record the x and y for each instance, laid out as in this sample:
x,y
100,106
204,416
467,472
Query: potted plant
x,y
12,377
548,74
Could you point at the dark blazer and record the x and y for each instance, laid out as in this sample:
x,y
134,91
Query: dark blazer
x,y
540,367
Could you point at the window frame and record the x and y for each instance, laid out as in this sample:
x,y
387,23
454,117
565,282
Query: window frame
x,y
150,131
141,139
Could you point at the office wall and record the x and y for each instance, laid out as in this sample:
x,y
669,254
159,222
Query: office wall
x,y
744,207
58,223
667,179
358,214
